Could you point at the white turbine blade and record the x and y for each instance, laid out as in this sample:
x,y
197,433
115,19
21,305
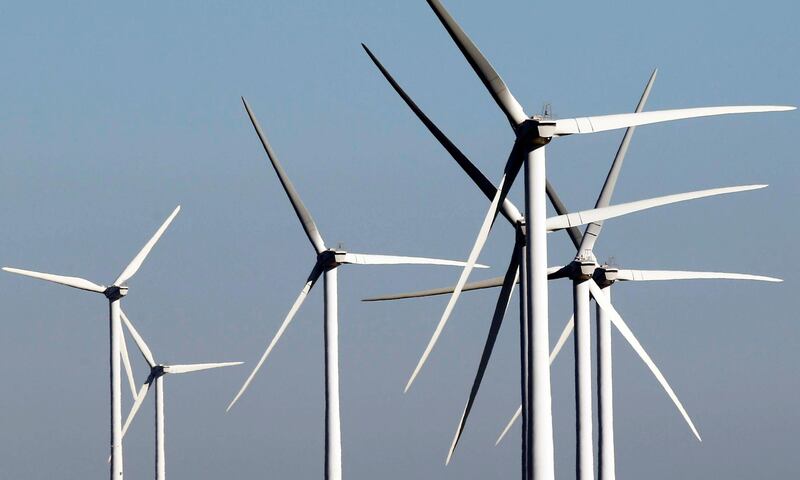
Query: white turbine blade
x,y
509,280
563,338
593,230
143,348
553,354
126,361
616,319
574,233
510,423
656,275
490,78
73,282
137,261
483,234
508,209
603,123
315,273
369,259
605,213
309,226
138,403
196,367
479,285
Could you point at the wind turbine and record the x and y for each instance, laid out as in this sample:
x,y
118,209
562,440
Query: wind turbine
x,y
532,135
156,375
114,294
327,262
513,215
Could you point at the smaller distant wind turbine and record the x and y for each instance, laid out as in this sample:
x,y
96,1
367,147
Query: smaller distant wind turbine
x,y
327,262
156,376
114,294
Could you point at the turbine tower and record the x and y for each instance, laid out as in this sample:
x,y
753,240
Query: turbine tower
x,y
327,262
114,294
156,376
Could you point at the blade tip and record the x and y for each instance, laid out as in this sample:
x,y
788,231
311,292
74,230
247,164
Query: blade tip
x,y
408,385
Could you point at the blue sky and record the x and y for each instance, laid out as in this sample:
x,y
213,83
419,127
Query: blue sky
x,y
113,114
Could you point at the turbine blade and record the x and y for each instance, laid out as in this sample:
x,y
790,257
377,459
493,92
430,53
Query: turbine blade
x,y
510,279
604,199
73,282
656,275
616,319
603,123
510,424
369,259
138,403
490,78
480,284
562,339
508,209
553,354
137,261
605,213
312,278
561,209
196,367
299,208
143,348
126,361
488,283
511,170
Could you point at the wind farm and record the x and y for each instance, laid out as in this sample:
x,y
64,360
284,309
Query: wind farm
x,y
526,367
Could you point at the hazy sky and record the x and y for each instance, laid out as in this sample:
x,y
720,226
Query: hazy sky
x,y
112,115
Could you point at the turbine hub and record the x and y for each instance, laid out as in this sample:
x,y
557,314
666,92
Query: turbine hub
x,y
533,133
115,292
583,267
605,275
332,258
